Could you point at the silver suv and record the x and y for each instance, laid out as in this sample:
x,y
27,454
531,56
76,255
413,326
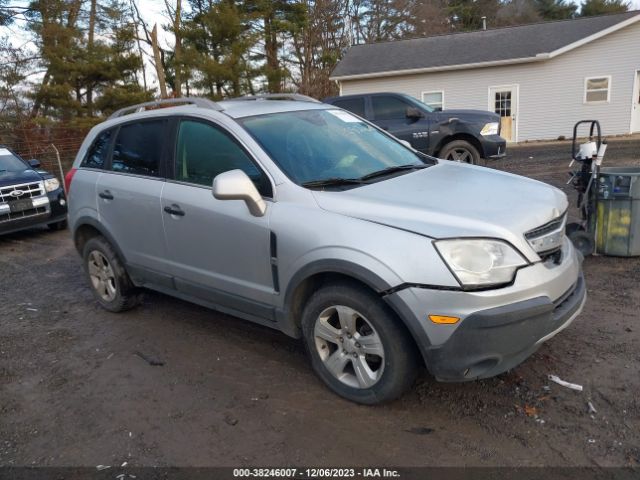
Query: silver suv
x,y
303,217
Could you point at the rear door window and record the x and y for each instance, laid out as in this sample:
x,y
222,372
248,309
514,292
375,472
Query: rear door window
x,y
389,108
97,155
138,148
355,105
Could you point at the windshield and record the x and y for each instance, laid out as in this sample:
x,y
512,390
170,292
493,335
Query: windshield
x,y
318,145
10,163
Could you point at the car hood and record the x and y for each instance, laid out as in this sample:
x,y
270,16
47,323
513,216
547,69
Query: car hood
x,y
16,178
453,200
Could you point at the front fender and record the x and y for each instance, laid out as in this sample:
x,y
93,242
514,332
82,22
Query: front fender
x,y
351,263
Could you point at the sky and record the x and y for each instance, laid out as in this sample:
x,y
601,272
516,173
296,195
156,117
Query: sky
x,y
152,12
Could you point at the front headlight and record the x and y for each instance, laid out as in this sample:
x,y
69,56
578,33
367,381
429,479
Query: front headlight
x,y
51,184
490,129
480,262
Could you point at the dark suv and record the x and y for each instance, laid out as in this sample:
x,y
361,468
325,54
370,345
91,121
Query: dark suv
x,y
29,197
462,135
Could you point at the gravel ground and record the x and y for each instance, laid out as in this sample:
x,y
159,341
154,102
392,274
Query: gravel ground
x,y
76,390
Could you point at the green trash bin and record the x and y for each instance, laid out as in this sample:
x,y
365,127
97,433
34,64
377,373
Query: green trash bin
x,y
618,212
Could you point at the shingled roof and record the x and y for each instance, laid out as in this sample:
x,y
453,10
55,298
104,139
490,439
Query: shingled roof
x,y
520,44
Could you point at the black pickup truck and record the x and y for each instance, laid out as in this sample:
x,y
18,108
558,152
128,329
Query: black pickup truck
x,y
29,197
462,135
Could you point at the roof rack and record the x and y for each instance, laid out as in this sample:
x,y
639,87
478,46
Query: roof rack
x,y
278,96
140,107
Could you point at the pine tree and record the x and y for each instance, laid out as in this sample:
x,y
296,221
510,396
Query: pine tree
x,y
274,21
317,46
216,43
87,51
603,7
467,14
555,9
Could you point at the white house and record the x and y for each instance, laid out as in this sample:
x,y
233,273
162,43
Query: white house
x,y
540,78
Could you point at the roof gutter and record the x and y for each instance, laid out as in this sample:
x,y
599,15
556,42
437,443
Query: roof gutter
x,y
413,71
511,61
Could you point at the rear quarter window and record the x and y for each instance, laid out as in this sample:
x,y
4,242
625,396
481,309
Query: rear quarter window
x,y
97,154
138,148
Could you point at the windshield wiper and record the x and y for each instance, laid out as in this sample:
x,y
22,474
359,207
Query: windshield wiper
x,y
333,182
390,170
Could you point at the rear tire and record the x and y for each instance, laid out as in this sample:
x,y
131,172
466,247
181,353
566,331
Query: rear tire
x,y
357,346
460,151
109,281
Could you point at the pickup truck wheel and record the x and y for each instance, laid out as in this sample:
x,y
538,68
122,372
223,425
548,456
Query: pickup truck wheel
x,y
62,225
460,151
356,345
108,279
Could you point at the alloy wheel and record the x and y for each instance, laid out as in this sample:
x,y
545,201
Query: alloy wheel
x,y
102,277
349,346
460,155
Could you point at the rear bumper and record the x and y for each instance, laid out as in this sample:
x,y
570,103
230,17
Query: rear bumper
x,y
52,212
493,146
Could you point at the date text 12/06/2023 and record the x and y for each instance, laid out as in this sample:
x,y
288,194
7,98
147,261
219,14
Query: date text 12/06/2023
x,y
312,473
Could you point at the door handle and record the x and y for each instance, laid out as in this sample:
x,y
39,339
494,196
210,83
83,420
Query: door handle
x,y
106,195
174,210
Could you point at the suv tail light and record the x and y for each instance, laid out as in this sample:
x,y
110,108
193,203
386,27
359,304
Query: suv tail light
x,y
67,179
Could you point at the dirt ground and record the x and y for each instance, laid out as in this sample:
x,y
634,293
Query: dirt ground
x,y
75,390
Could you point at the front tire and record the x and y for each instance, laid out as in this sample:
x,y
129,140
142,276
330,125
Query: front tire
x,y
460,151
109,281
357,346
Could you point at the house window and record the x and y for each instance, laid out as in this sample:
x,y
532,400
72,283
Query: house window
x,y
503,103
434,99
597,89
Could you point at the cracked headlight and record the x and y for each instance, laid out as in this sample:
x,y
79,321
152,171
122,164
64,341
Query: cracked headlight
x,y
51,184
478,263
490,129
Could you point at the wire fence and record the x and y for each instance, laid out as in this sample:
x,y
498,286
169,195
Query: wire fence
x,y
45,143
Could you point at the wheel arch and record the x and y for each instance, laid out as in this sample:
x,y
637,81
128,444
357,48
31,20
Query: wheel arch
x,y
467,137
315,275
87,228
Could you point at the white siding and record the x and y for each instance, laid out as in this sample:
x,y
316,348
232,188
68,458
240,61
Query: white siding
x,y
551,92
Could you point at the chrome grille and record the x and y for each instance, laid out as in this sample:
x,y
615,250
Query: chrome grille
x,y
22,191
32,212
547,239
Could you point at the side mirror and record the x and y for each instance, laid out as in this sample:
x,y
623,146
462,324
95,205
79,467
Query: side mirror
x,y
405,143
33,163
414,113
236,185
